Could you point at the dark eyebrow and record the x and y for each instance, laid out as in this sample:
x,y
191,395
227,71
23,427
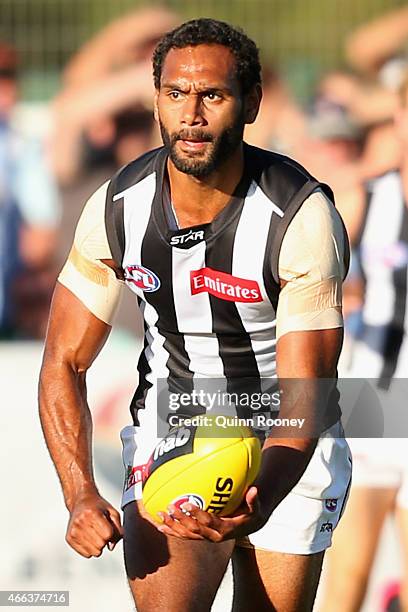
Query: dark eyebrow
x,y
205,89
171,85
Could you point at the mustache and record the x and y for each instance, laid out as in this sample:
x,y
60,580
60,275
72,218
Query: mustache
x,y
198,135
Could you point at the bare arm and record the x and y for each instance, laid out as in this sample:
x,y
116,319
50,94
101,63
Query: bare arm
x,y
75,109
75,337
303,358
120,42
373,43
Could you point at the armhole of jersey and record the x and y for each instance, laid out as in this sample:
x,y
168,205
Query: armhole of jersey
x,y
292,208
347,248
114,222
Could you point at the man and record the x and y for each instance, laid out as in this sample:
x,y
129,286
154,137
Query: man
x,y
214,307
380,353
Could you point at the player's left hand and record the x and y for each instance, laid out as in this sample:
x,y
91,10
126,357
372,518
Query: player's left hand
x,y
194,524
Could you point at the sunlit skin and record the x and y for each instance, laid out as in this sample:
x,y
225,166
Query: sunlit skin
x,y
401,124
199,98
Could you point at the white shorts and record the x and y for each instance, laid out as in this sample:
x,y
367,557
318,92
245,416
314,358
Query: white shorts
x,y
381,463
304,521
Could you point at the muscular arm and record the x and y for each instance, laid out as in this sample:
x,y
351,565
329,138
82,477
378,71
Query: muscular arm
x,y
303,358
84,302
75,337
310,335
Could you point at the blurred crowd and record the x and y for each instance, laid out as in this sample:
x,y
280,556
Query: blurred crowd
x,y
353,129
102,118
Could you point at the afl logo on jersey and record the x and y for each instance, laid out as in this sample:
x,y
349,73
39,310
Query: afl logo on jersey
x,y
142,278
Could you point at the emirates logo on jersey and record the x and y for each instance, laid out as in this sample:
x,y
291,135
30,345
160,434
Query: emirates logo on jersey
x,y
142,277
224,286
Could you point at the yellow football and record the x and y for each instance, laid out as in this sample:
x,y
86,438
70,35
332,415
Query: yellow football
x,y
207,465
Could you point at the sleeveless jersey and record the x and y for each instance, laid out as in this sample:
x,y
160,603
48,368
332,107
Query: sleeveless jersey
x,y
208,293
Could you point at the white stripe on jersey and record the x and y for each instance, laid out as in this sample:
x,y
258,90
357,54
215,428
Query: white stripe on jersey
x,y
136,213
381,232
248,258
194,317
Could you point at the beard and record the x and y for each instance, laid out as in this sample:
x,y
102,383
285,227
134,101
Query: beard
x,y
219,149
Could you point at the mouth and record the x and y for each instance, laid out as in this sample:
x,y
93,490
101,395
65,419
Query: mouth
x,y
193,144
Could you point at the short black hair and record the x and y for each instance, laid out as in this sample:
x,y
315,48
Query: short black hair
x,y
206,31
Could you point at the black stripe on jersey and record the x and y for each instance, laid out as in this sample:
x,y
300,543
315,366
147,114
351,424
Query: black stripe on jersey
x,y
235,348
139,397
287,184
114,223
395,331
123,179
157,256
291,209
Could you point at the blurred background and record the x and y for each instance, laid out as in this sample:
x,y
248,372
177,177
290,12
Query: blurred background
x,y
76,104
301,38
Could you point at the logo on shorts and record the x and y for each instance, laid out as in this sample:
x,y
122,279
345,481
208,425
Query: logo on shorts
x,y
326,527
224,286
134,475
142,278
331,504
188,498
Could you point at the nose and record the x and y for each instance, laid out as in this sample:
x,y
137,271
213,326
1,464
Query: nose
x,y
192,111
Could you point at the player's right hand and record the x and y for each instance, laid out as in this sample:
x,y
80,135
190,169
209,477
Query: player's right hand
x,y
93,524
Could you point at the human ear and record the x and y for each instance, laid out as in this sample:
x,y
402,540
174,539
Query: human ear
x,y
252,103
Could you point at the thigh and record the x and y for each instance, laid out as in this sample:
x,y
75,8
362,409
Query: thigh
x,y
271,581
354,545
167,573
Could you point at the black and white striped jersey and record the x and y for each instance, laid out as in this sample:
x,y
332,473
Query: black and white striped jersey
x,y
208,293
383,253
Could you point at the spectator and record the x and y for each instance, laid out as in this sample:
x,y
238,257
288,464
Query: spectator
x,y
28,217
374,44
107,97
380,353
103,116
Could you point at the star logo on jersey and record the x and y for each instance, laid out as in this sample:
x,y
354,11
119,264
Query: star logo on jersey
x,y
142,278
224,286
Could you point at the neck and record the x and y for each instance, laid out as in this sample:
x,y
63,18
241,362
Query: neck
x,y
199,200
